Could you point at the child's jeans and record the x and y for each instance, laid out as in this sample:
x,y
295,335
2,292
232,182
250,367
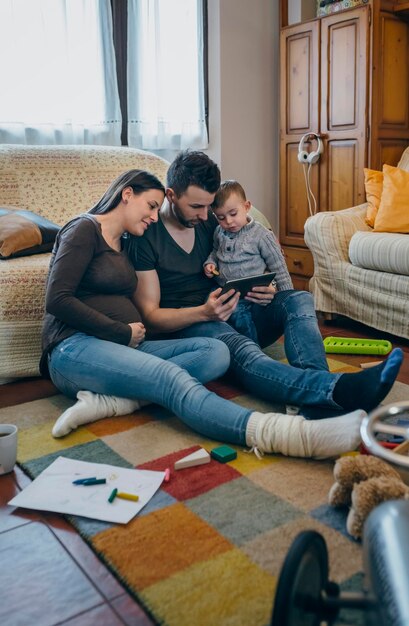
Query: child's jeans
x,y
242,320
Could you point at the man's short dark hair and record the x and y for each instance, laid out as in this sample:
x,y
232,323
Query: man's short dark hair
x,y
192,167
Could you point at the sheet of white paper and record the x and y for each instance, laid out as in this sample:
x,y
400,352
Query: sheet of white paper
x,y
53,490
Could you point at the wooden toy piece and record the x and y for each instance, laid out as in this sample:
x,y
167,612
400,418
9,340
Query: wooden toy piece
x,y
223,454
200,457
370,364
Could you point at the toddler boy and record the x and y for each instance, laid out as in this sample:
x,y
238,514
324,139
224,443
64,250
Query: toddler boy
x,y
241,248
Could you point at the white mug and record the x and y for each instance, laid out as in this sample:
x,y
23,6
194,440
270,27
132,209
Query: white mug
x,y
8,447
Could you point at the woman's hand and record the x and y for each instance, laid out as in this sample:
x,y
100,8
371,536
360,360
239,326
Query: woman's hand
x,y
262,295
138,334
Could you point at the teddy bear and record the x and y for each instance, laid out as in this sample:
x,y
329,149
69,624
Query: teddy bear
x,y
362,482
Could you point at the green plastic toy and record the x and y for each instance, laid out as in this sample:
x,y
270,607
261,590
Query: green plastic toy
x,y
352,345
223,454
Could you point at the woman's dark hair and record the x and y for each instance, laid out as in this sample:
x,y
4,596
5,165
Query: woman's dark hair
x,y
139,180
192,167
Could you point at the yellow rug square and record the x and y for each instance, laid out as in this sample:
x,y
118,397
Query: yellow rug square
x,y
38,441
247,462
188,598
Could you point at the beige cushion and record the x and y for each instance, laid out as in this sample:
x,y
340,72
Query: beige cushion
x,y
385,252
404,160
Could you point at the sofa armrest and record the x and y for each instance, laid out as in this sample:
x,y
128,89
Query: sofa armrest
x,y
259,217
327,234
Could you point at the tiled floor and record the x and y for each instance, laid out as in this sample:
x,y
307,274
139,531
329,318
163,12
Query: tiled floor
x,y
48,574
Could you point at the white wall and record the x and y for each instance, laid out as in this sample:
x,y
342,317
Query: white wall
x,y
243,44
243,96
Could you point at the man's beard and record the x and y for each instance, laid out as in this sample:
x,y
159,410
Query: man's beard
x,y
182,220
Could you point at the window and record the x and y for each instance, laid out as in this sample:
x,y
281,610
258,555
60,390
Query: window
x,y
165,74
60,71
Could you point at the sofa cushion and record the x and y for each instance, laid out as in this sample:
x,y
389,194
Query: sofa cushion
x,y
373,190
23,233
393,213
385,252
404,160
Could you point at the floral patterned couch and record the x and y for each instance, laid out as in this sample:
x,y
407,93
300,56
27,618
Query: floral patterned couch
x,y
57,182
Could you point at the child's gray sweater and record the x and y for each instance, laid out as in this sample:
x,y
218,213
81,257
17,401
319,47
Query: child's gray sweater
x,y
253,250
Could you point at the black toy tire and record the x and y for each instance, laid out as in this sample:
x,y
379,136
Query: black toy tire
x,y
304,571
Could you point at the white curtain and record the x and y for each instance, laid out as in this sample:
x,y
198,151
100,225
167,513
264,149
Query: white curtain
x,y
57,73
165,75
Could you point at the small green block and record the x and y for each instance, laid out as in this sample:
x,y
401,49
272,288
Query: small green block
x,y
223,454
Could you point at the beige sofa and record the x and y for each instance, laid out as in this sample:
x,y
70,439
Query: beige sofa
x,y
57,182
360,273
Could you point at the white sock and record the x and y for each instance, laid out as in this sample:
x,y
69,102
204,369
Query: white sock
x,y
293,435
91,407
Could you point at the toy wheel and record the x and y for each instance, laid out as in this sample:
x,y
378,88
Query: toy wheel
x,y
303,578
376,422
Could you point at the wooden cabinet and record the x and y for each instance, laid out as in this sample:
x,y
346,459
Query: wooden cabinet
x,y
344,77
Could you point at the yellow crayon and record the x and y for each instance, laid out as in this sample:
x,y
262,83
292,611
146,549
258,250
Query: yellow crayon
x,y
127,496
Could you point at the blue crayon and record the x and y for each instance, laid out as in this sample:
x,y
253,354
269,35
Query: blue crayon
x,y
94,481
81,481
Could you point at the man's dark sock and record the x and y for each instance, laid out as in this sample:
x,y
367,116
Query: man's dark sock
x,y
366,389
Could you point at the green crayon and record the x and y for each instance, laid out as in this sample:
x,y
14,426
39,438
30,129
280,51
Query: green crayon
x,y
113,495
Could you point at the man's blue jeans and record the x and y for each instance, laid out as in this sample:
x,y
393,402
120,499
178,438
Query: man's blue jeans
x,y
306,381
164,372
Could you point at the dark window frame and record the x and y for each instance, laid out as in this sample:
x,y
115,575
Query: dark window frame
x,y
120,35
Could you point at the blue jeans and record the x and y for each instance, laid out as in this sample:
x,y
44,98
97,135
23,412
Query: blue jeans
x,y
292,314
242,319
164,372
306,381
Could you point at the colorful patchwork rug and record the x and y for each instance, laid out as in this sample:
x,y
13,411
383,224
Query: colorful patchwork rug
x,y
208,547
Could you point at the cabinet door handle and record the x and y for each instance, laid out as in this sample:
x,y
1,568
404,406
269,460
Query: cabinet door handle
x,y
297,262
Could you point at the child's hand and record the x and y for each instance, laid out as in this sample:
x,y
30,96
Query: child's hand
x,y
262,295
210,270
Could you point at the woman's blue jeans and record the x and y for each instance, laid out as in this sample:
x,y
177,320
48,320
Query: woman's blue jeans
x,y
165,372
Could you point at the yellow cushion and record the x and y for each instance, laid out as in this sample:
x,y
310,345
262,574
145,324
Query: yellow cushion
x,y
393,212
373,190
